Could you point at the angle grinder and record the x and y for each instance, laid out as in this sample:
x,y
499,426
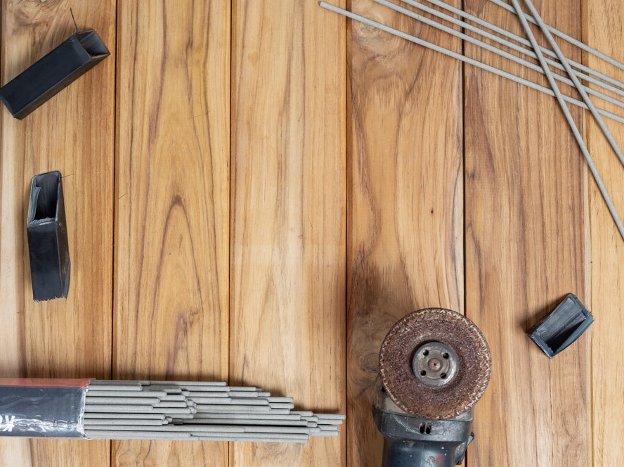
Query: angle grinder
x,y
434,366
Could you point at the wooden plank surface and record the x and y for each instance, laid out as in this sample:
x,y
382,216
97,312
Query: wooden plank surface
x,y
276,244
604,29
72,133
405,246
172,222
525,249
289,213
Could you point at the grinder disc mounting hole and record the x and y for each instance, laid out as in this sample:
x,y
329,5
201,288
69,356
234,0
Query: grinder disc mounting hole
x,y
435,364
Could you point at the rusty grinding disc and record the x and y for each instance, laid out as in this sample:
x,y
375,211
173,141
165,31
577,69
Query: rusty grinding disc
x,y
435,363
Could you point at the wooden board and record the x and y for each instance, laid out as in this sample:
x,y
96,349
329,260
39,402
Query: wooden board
x,y
603,29
72,133
172,217
275,244
289,213
525,249
405,247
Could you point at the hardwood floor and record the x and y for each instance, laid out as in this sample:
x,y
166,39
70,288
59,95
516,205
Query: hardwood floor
x,y
288,215
257,190
525,249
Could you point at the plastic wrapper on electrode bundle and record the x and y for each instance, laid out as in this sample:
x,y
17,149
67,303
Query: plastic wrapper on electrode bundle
x,y
42,408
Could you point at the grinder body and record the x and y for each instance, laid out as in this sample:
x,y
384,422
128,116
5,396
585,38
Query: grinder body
x,y
411,441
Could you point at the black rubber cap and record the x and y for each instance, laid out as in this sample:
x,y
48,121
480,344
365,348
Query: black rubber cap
x,y
562,327
47,238
51,73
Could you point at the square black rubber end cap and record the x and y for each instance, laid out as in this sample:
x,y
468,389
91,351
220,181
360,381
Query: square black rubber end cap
x,y
47,238
562,327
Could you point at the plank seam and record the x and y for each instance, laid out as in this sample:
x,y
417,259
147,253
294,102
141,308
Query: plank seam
x,y
587,240
115,210
233,5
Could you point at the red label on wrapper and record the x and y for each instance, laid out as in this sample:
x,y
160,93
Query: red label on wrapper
x,y
45,383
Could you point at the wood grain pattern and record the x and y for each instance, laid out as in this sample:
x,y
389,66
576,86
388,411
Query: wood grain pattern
x,y
172,247
73,133
276,244
604,29
288,239
405,248
525,249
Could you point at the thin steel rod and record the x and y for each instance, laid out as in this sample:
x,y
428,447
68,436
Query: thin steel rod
x,y
280,405
205,412
461,58
233,421
173,405
133,409
209,394
269,416
562,35
268,437
522,40
97,393
139,434
239,394
176,397
568,116
114,387
493,49
109,422
183,383
280,399
232,409
577,84
91,415
598,81
334,423
216,429
229,401
122,400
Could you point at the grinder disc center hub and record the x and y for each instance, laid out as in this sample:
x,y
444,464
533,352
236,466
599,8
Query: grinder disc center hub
x,y
435,364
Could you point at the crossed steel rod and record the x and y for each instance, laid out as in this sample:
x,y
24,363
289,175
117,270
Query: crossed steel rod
x,y
563,36
462,58
564,107
537,52
498,51
544,62
588,74
514,37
